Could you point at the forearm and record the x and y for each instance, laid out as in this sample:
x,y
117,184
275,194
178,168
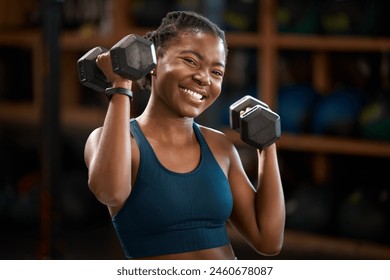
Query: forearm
x,y
270,204
110,168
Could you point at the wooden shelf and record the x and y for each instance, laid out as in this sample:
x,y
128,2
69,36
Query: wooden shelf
x,y
315,246
87,39
19,113
248,40
324,144
310,42
84,40
82,118
21,38
334,145
332,43
320,245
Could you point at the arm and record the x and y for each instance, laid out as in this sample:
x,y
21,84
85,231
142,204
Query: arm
x,y
108,149
259,215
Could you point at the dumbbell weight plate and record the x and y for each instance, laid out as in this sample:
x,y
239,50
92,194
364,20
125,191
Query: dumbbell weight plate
x,y
133,57
260,127
90,74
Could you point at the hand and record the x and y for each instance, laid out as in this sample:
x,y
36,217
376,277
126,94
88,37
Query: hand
x,y
103,61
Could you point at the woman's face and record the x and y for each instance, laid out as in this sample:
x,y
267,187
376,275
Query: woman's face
x,y
189,73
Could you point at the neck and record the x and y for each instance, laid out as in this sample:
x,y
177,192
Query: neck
x,y
158,120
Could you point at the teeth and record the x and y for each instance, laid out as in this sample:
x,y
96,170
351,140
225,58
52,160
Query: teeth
x,y
192,93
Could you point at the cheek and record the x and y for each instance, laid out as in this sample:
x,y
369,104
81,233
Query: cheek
x,y
165,67
217,87
164,74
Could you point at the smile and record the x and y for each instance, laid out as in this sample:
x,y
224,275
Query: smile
x,y
193,94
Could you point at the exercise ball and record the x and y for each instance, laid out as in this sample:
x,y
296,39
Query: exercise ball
x,y
294,107
338,113
375,119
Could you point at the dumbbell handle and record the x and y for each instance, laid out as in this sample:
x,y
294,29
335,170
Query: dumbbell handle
x,y
243,104
248,110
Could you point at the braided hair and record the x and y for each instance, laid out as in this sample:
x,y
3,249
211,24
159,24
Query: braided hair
x,y
172,26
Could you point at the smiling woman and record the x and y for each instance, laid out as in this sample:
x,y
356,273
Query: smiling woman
x,y
171,185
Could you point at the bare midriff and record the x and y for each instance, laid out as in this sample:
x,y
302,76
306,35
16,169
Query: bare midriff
x,y
218,253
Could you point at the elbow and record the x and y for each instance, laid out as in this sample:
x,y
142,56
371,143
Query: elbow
x,y
97,188
105,192
270,247
269,251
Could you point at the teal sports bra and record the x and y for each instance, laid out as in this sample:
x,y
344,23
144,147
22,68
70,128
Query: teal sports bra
x,y
170,212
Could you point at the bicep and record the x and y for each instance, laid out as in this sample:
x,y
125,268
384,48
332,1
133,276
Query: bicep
x,y
243,216
242,189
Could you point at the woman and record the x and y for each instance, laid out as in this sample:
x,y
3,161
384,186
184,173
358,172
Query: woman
x,y
171,185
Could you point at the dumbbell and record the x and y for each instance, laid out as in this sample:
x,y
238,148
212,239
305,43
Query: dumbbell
x,y
257,124
133,57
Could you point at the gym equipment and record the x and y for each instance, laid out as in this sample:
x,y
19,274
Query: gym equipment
x,y
133,57
240,15
298,16
374,119
356,17
295,105
257,124
338,113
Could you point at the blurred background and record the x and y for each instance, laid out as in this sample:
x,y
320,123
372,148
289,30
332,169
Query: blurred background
x,y
323,66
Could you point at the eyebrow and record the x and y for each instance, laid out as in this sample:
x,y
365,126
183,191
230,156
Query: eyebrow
x,y
197,54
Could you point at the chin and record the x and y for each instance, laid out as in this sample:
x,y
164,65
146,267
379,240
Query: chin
x,y
191,112
190,116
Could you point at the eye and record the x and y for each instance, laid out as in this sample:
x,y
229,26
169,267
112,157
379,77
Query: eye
x,y
190,61
218,73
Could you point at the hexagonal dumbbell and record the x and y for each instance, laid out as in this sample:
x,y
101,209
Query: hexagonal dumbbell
x,y
257,124
133,57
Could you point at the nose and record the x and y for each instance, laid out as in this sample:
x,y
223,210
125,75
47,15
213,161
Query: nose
x,y
202,79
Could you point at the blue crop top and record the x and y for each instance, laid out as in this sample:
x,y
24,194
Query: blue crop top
x,y
170,212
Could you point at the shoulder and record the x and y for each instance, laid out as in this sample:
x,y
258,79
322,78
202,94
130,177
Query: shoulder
x,y
224,150
217,139
94,137
91,144
213,133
